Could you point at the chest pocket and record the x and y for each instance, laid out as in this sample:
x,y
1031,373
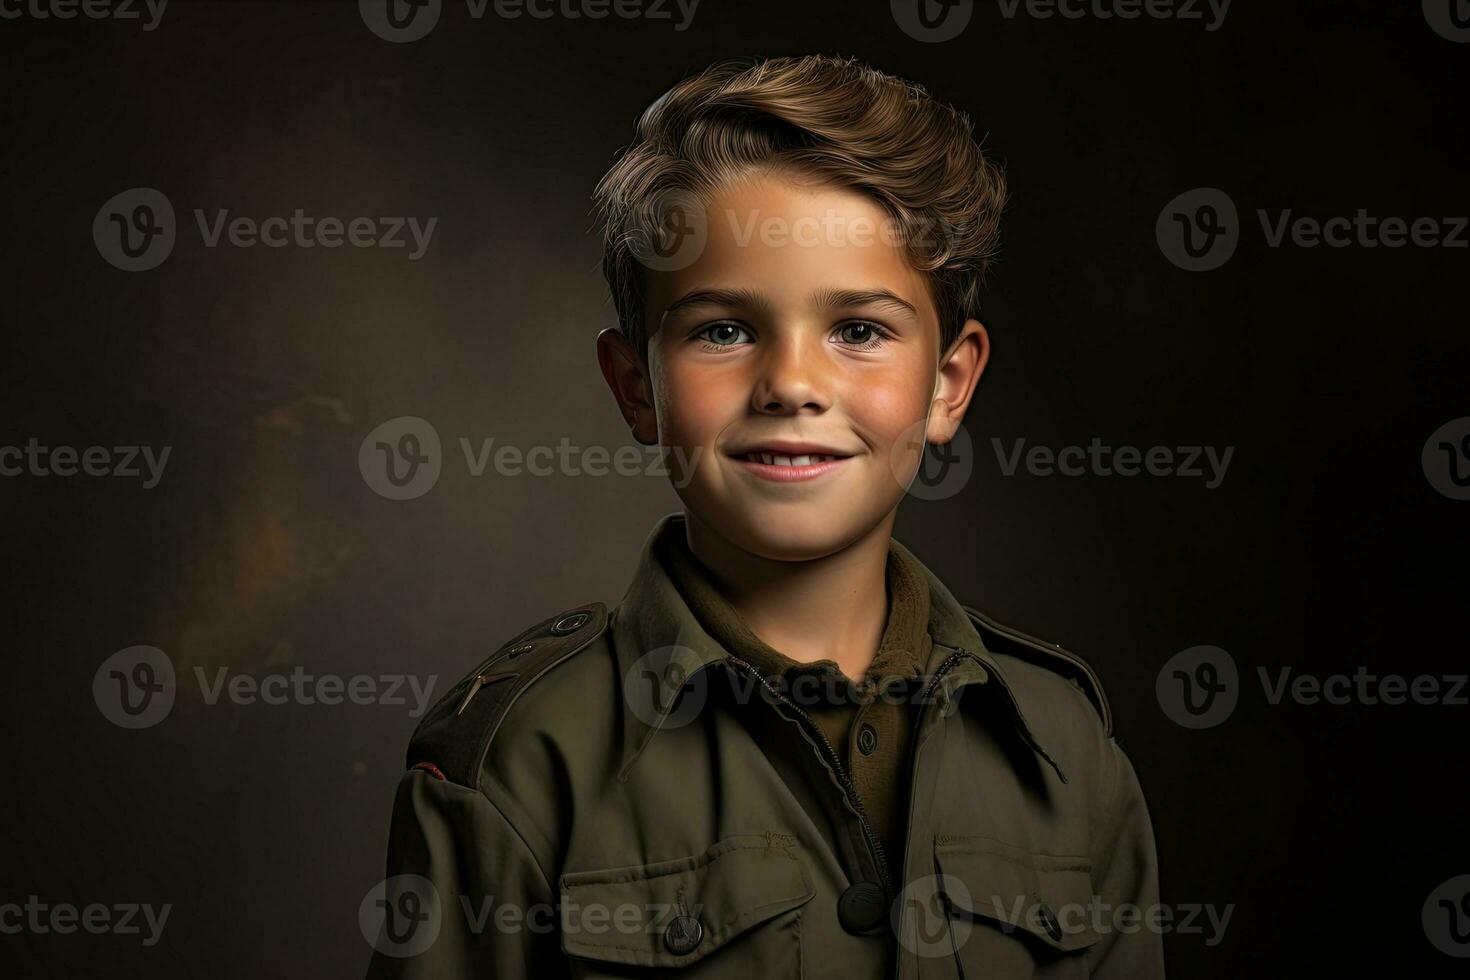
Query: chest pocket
x,y
733,911
1013,913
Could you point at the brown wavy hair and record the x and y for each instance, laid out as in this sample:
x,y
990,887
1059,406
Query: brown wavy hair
x,y
821,118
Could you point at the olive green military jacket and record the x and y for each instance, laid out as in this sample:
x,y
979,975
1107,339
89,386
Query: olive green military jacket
x,y
615,795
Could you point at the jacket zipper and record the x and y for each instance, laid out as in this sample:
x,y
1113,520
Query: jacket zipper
x,y
880,857
924,703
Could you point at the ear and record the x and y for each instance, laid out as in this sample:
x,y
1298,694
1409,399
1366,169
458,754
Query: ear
x,y
959,372
627,376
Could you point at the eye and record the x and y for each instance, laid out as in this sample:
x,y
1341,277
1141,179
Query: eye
x,y
862,334
724,334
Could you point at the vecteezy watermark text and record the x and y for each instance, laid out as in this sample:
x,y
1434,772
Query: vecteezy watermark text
x,y
1364,687
403,21
1211,12
1201,686
672,231
403,915
1200,229
1097,459
402,459
565,459
135,230
64,918
1363,230
91,9
35,459
309,232
668,687
300,687
136,688
1104,917
837,230
936,21
923,920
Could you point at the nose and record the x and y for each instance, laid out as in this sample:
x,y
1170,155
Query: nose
x,y
791,379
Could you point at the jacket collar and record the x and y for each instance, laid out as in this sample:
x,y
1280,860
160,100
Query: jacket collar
x,y
660,646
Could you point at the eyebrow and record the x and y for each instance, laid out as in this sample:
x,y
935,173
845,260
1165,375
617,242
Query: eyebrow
x,y
718,297
827,299
841,298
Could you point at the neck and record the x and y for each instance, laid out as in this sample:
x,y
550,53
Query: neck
x,y
829,608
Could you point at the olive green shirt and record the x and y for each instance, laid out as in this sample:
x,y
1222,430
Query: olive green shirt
x,y
870,724
599,796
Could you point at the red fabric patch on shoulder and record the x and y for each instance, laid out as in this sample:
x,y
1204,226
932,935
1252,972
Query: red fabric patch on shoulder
x,y
430,768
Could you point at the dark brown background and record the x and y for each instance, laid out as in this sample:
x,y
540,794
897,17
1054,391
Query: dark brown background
x,y
263,548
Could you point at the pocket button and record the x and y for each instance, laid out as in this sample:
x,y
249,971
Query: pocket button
x,y
683,935
1049,921
862,908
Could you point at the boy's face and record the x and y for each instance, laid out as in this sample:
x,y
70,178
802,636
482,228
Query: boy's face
x,y
795,366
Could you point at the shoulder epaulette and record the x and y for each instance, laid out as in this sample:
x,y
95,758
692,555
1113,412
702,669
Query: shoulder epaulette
x,y
1005,639
454,736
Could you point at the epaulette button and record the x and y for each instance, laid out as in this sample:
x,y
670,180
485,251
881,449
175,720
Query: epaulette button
x,y
569,624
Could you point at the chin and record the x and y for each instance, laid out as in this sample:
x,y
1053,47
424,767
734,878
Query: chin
x,y
805,532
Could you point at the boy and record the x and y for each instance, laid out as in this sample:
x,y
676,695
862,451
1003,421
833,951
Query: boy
x,y
789,751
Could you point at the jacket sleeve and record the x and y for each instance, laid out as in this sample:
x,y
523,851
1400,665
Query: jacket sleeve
x,y
463,897
1126,879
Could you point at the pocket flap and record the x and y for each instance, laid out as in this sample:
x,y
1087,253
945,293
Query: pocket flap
x,y
676,912
1047,897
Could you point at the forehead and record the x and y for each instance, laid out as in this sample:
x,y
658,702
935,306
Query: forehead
x,y
792,243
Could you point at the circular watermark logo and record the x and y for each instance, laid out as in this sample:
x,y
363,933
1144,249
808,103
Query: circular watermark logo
x,y
401,916
671,233
665,688
943,470
932,21
135,688
1446,917
402,458
400,21
1198,687
1446,459
921,918
1450,19
1199,229
135,230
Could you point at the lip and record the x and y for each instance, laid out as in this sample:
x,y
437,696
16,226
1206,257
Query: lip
x,y
786,473
787,447
791,474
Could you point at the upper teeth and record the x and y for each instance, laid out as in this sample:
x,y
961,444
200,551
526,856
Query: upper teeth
x,y
776,459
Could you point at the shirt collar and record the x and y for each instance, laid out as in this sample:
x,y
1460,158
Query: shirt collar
x,y
903,648
660,645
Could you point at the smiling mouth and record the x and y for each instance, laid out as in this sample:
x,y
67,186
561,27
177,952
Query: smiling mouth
x,y
782,459
789,466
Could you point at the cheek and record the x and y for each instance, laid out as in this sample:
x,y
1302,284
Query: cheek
x,y
696,404
888,405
